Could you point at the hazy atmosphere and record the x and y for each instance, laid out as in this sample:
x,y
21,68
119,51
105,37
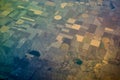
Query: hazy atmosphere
x,y
59,39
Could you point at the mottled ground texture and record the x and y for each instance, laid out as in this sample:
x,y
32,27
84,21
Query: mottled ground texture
x,y
59,39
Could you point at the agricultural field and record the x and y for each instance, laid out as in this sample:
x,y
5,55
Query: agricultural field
x,y
59,39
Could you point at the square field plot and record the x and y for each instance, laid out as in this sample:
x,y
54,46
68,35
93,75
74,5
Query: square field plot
x,y
71,20
95,43
79,38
